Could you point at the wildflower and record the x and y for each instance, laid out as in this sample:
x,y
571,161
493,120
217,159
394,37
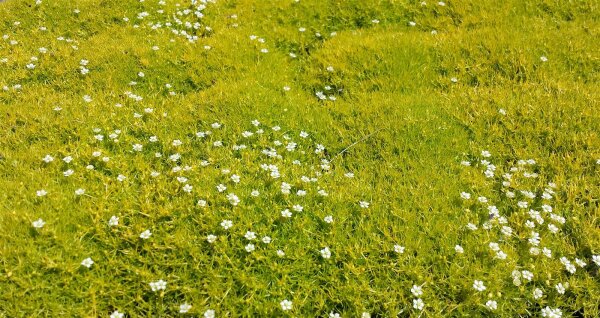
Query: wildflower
x,y
416,290
187,188
48,159
209,314
145,235
478,285
158,285
38,224
184,308
459,249
364,204
325,253
328,219
249,248
117,314
114,221
286,213
233,199
551,313
211,238
226,224
266,239
334,315
491,305
465,195
399,249
418,304
87,262
286,305
79,191
137,147
250,235
543,59
538,293
560,288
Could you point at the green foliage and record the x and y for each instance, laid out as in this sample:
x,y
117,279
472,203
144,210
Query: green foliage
x,y
399,122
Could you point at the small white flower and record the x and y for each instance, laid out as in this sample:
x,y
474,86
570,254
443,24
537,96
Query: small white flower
x,y
87,262
538,293
266,239
364,204
328,219
560,288
114,221
209,314
325,253
226,224
491,305
418,304
145,235
249,248
286,305
399,249
38,224
211,238
183,308
478,285
543,59
416,290
459,249
117,314
158,285
79,191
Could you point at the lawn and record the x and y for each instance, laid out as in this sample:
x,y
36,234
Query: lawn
x,y
299,158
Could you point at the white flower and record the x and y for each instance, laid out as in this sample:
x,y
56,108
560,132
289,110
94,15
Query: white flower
x,y
249,248
250,235
478,285
79,191
266,239
114,221
325,253
286,213
458,249
137,147
221,188
233,199
398,249
158,285
280,253
254,193
418,304
416,290
48,159
38,224
87,262
286,305
121,178
145,235
41,193
209,314
364,204
328,219
543,59
491,305
201,203
183,308
334,315
226,224
365,315
187,188
117,314
596,259
465,195
538,293
560,288
551,313
211,238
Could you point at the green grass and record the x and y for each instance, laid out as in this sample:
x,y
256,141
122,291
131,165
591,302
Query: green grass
x,y
398,122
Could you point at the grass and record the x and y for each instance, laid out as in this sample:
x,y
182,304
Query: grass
x,y
399,122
